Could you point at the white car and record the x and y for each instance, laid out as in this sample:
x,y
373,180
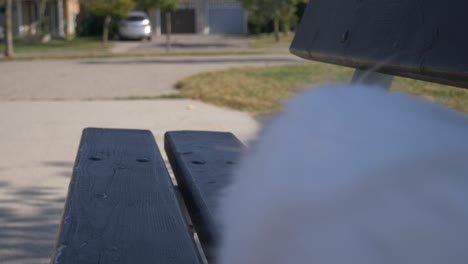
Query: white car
x,y
135,26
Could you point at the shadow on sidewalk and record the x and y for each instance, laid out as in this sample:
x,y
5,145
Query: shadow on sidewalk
x,y
30,218
28,238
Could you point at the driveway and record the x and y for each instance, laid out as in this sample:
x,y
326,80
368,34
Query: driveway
x,y
40,135
111,78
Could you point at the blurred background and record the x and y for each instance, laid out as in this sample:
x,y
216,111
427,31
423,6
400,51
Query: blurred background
x,y
161,65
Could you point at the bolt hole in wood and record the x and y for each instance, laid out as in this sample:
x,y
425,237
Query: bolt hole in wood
x,y
142,160
95,158
344,36
198,162
100,195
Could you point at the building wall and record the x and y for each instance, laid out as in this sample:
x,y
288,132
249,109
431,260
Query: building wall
x,y
61,15
228,16
205,7
29,17
197,6
2,19
71,9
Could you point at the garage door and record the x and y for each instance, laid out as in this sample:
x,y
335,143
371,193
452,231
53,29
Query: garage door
x,y
226,20
182,21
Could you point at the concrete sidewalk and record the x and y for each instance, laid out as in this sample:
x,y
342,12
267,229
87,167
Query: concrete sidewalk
x,y
39,141
40,136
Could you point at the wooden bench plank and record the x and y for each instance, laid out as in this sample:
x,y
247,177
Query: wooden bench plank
x,y
121,205
202,163
417,39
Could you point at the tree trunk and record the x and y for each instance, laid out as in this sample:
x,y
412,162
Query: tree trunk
x,y
286,26
152,15
168,31
276,28
8,29
41,21
105,31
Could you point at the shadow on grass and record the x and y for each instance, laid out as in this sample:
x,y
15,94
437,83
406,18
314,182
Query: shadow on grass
x,y
191,61
196,45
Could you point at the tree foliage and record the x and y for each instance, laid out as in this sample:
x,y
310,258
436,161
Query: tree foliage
x,y
280,11
108,9
163,5
272,8
114,8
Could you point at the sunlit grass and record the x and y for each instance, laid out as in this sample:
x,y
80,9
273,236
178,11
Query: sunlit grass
x,y
268,41
77,44
261,90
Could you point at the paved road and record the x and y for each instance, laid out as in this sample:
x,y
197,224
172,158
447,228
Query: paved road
x,y
111,78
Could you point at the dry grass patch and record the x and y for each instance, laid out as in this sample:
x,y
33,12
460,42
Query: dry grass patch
x,y
268,41
258,90
261,90
453,97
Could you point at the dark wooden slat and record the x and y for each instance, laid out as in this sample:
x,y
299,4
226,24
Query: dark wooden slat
x,y
121,205
202,163
424,40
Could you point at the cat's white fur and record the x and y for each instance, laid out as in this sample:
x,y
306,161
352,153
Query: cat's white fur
x,y
352,174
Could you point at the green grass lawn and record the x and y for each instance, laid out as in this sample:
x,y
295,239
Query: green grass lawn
x,y
261,90
76,44
268,41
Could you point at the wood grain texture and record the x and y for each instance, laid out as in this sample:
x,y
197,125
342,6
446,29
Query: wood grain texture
x,y
419,39
203,163
121,206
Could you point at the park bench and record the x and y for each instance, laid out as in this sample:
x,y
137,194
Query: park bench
x,y
122,206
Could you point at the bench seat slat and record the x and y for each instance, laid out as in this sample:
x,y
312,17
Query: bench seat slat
x,y
121,206
423,40
203,162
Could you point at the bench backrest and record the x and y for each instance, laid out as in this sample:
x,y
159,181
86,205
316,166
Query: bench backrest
x,y
420,39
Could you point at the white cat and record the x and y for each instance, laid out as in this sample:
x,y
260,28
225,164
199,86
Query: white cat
x,y
352,174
